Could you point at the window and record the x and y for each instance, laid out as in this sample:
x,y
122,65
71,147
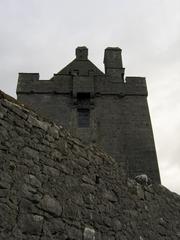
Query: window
x,y
83,109
83,99
75,72
83,118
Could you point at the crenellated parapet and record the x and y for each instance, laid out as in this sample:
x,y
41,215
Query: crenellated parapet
x,y
30,83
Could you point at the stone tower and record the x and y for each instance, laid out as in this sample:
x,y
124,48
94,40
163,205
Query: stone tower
x,y
102,108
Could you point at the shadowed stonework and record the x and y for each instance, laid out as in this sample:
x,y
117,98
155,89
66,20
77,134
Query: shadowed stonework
x,y
53,187
102,108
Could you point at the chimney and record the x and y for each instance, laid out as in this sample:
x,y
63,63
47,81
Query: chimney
x,y
82,53
113,63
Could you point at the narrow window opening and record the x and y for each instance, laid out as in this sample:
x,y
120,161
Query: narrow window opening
x,y
83,118
97,179
83,109
122,75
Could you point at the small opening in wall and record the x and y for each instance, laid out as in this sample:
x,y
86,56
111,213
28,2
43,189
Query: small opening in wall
x,y
97,179
83,118
122,75
83,98
75,72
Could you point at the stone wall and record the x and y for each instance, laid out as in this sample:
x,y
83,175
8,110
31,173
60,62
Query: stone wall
x,y
53,187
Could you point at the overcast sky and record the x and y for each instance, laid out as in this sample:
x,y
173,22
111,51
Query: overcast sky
x,y
41,36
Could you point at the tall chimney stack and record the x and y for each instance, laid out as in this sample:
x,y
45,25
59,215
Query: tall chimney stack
x,y
113,63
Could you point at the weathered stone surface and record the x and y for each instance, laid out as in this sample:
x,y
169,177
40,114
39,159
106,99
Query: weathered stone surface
x,y
31,224
89,233
39,124
53,187
31,152
32,180
51,206
31,193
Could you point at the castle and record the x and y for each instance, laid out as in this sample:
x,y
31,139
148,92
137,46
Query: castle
x,y
102,108
53,186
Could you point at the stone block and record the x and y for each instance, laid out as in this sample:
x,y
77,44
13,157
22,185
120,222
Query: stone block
x,y
51,205
31,224
89,233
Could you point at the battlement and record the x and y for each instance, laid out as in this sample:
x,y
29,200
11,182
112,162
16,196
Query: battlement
x,y
97,85
84,73
136,85
28,77
28,84
26,81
